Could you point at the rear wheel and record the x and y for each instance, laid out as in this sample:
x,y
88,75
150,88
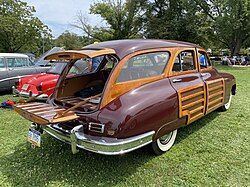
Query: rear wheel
x,y
226,106
164,143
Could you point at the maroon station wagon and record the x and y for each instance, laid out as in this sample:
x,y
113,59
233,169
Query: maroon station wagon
x,y
141,93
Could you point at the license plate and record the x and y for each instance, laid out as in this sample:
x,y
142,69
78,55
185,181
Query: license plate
x,y
25,87
34,137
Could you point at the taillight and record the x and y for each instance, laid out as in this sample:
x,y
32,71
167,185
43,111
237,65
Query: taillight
x,y
96,127
39,88
17,83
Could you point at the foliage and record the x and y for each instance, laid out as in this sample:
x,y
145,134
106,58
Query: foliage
x,y
19,29
178,20
123,20
213,151
70,41
229,21
218,23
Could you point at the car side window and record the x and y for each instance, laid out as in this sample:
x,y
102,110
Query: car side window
x,y
184,62
204,60
80,67
17,62
31,63
144,66
2,65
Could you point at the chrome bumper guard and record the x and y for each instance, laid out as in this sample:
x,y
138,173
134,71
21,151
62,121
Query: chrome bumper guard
x,y
27,95
101,145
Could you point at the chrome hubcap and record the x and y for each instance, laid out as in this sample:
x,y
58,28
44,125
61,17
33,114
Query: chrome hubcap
x,y
166,138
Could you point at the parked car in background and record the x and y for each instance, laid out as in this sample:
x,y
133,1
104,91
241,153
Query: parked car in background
x,y
33,85
215,57
141,93
42,62
14,66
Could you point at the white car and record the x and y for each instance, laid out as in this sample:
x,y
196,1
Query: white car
x,y
14,66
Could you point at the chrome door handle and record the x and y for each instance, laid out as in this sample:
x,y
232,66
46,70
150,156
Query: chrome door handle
x,y
176,80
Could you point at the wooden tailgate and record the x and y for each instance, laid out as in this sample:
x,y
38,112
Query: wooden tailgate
x,y
42,113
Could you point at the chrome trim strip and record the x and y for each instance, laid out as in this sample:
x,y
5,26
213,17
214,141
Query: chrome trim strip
x,y
27,95
11,78
101,145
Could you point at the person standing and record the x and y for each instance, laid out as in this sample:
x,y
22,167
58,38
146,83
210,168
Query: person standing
x,y
93,63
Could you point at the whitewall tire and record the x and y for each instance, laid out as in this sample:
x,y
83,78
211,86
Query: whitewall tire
x,y
226,106
164,143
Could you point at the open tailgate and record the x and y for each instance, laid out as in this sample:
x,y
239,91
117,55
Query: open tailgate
x,y
78,54
42,113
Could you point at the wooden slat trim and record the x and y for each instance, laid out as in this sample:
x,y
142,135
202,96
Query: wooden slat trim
x,y
54,110
191,88
59,115
27,104
214,107
192,119
215,94
215,88
196,110
65,118
215,101
44,108
192,96
33,107
193,103
182,111
47,116
210,96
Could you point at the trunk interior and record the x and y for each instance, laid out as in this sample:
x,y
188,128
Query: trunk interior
x,y
85,91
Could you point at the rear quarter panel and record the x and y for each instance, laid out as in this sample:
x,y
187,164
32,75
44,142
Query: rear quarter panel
x,y
230,82
140,110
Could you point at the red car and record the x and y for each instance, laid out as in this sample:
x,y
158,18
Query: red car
x,y
35,84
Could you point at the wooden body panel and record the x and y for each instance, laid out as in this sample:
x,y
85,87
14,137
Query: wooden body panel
x,y
192,102
42,113
78,54
215,94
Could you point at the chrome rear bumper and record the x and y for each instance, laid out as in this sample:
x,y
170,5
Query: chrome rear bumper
x,y
27,95
101,145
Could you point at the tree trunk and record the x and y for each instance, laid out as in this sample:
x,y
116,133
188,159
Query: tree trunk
x,y
235,47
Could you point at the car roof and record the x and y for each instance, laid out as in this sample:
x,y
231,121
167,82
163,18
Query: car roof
x,y
41,62
13,55
125,47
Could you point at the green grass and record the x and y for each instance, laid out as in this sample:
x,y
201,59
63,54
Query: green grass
x,y
213,151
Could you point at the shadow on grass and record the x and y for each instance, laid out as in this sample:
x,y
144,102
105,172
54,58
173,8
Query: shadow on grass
x,y
5,92
55,164
185,131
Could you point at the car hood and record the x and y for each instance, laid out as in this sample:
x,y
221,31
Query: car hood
x,y
37,79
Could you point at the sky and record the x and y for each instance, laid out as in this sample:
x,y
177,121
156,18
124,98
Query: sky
x,y
59,14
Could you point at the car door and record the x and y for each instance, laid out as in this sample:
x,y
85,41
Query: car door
x,y
4,79
186,80
215,85
17,68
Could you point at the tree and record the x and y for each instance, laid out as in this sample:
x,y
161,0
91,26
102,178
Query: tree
x,y
70,41
122,18
177,20
229,21
19,28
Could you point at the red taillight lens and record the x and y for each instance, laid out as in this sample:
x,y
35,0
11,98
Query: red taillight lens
x,y
39,88
17,83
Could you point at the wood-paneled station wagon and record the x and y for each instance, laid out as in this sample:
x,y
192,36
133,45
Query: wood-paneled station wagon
x,y
141,93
